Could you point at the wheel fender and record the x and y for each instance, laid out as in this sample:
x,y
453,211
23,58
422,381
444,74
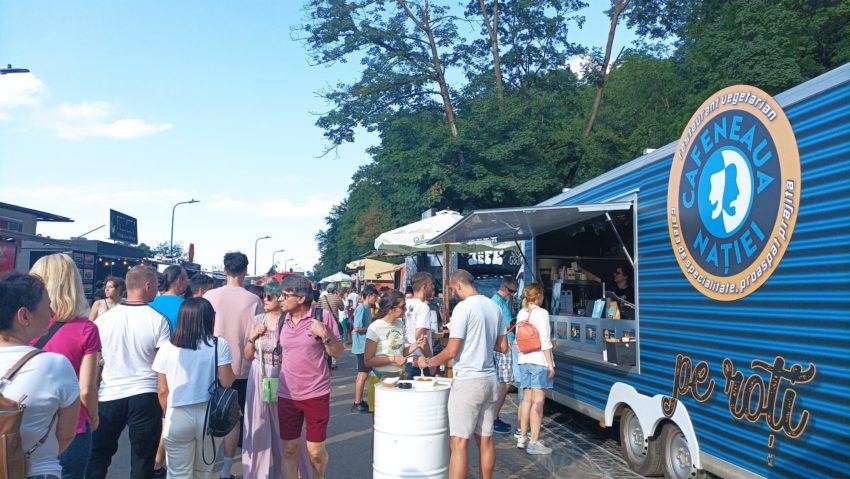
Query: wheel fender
x,y
649,413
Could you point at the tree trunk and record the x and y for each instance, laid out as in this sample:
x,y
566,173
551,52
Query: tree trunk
x,y
493,31
619,7
424,24
441,80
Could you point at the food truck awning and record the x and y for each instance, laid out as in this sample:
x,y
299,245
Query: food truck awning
x,y
519,224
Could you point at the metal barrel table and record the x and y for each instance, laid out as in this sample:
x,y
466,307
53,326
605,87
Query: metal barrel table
x,y
412,431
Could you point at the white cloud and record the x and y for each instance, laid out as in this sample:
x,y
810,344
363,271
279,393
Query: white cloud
x,y
228,204
119,130
580,65
283,208
87,119
86,111
575,65
20,90
90,119
276,208
117,193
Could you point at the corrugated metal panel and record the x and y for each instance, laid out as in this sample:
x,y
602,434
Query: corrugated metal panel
x,y
802,313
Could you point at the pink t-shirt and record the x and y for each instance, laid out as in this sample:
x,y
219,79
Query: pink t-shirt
x,y
77,338
304,372
235,309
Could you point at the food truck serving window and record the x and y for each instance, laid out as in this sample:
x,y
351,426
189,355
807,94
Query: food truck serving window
x,y
583,257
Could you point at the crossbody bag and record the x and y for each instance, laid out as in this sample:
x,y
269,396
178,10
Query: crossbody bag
x,y
269,384
49,335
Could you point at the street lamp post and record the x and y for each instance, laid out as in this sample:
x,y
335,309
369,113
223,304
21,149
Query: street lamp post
x,y
9,69
276,252
284,264
171,242
255,252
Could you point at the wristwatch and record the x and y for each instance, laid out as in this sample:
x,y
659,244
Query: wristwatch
x,y
328,340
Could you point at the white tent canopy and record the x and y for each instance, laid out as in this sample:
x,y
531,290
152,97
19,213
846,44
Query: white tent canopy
x,y
336,278
355,265
413,238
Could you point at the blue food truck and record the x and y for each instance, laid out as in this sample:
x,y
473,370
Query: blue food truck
x,y
725,349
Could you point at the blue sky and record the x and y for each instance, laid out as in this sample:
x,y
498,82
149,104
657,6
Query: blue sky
x,y
136,106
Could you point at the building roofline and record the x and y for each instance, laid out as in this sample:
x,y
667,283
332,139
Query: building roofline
x,y
39,215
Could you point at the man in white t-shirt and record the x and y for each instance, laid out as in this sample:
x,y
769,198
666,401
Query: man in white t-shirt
x,y
417,321
130,333
475,331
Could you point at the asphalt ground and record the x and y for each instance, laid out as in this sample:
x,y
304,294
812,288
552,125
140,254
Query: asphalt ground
x,y
581,449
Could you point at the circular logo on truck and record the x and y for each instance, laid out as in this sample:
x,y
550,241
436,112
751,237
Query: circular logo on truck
x,y
734,193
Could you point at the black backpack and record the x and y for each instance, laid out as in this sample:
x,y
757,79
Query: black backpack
x,y
223,411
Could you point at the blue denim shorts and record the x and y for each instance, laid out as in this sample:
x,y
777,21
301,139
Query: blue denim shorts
x,y
534,376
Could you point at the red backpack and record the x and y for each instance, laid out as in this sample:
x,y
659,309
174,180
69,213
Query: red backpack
x,y
527,336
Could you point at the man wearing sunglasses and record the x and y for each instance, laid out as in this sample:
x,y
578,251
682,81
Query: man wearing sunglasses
x,y
305,377
505,361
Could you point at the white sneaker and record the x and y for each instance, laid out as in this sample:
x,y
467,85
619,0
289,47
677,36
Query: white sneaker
x,y
521,442
538,448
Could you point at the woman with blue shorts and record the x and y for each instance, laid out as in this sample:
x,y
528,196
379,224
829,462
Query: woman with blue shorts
x,y
536,371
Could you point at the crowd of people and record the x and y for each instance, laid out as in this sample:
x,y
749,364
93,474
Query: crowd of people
x,y
144,357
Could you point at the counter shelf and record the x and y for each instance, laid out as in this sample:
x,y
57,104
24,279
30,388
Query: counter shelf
x,y
583,338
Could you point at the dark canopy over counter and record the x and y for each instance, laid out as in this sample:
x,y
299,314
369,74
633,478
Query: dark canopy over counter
x,y
519,224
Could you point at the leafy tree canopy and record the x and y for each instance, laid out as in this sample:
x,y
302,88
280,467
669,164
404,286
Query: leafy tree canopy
x,y
482,143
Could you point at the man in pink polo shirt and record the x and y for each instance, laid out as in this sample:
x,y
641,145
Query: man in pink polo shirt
x,y
305,378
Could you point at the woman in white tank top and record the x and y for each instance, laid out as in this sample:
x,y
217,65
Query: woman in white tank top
x,y
113,288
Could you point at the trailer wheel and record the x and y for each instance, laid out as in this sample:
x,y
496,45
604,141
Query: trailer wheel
x,y
677,463
642,453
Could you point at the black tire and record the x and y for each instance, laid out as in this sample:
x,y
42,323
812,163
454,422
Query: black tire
x,y
677,462
641,452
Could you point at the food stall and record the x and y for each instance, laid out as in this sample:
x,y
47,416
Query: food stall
x,y
562,245
738,233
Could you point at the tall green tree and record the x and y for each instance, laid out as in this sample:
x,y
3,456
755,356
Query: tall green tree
x,y
164,249
405,47
328,242
145,250
522,38
548,128
774,45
